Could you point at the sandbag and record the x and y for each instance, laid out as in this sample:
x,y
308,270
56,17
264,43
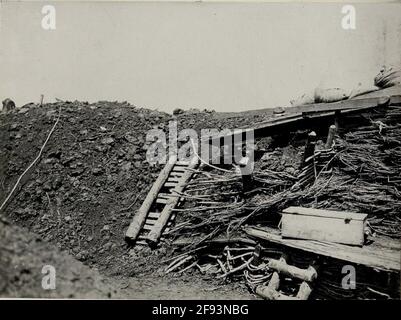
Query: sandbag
x,y
302,100
8,105
388,77
360,90
330,95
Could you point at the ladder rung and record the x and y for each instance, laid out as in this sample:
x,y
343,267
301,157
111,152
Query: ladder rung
x,y
161,200
171,184
179,169
153,215
142,242
165,195
176,174
182,163
173,179
147,226
150,222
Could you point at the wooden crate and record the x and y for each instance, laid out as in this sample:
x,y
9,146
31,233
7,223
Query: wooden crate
x,y
324,225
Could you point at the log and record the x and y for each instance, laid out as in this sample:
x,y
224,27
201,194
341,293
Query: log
x,y
304,291
281,266
139,219
155,234
270,292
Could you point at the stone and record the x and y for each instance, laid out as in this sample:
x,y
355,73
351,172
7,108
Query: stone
x,y
8,105
108,140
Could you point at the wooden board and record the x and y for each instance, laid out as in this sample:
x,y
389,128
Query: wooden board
x,y
383,253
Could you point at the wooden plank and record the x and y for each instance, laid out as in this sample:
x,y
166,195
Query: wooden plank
x,y
155,234
321,110
140,216
395,100
346,104
382,254
283,120
326,213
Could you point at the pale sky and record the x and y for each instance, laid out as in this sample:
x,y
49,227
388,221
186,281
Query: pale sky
x,y
225,56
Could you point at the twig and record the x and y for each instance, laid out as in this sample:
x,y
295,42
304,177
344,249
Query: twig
x,y
204,162
33,162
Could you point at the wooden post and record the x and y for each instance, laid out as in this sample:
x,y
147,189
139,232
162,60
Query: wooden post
x,y
256,255
156,232
41,99
337,115
309,147
245,175
139,219
330,137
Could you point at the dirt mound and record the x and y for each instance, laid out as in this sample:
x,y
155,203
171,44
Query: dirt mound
x,y
91,177
22,257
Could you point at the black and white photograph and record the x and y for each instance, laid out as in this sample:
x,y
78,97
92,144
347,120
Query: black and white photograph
x,y
234,152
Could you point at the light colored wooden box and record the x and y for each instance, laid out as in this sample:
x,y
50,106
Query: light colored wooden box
x,y
323,225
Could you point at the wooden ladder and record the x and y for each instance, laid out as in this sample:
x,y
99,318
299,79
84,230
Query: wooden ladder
x,y
156,214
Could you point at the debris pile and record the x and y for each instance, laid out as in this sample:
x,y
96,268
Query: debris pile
x,y
358,171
